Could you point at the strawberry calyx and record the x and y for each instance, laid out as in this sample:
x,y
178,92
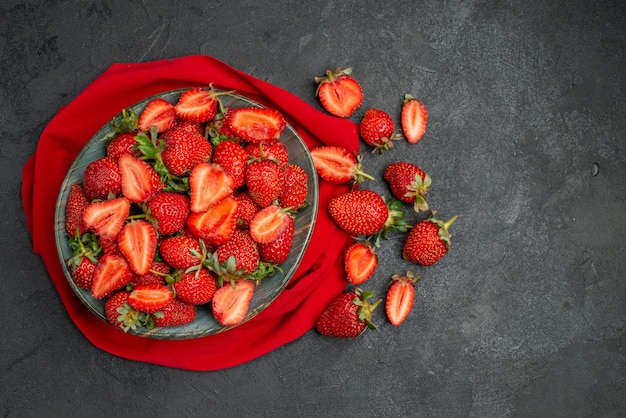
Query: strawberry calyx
x,y
359,176
126,121
228,272
129,318
331,75
366,308
419,188
444,234
409,277
85,245
395,222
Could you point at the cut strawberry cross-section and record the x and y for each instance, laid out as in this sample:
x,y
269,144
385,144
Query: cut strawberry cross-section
x,y
111,273
140,182
106,218
254,124
231,302
209,184
138,241
268,224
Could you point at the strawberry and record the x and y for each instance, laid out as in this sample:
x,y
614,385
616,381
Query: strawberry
x,y
348,315
338,165
408,183
220,126
76,204
233,159
140,182
427,242
208,184
189,126
231,302
413,118
215,224
150,298
400,297
360,262
106,218
265,180
183,150
119,313
123,143
137,241
101,178
246,210
157,273
359,212
254,124
277,251
237,256
178,251
170,211
274,150
268,224
195,287
339,93
174,314
158,113
82,274
111,273
197,105
378,130
295,190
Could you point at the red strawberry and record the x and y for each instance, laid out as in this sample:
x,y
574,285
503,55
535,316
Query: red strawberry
x,y
208,184
400,297
140,182
178,251
195,287
123,143
158,113
246,210
183,150
274,150
265,180
338,165
111,273
339,93
428,241
231,302
156,274
150,298
221,127
295,190
268,224
360,262
101,178
106,218
76,204
174,314
119,313
197,105
359,212
254,124
378,130
348,315
137,241
215,224
82,274
413,118
189,126
233,159
277,251
170,211
244,252
408,183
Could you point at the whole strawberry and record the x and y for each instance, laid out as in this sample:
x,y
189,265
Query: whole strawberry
x,y
265,180
101,178
195,287
175,313
295,190
77,202
183,150
378,130
427,242
408,183
170,211
119,313
348,315
233,159
359,212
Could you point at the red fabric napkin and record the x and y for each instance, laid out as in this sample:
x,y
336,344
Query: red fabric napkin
x,y
319,278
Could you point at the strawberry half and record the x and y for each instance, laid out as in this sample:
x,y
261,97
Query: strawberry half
x,y
150,298
137,241
348,315
339,93
158,113
338,165
217,223
254,124
140,182
197,105
106,218
111,273
400,297
277,251
209,184
413,118
268,224
231,302
360,262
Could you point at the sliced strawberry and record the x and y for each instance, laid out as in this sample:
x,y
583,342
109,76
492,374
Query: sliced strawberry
x,y
137,242
339,93
338,165
158,113
255,124
111,273
231,302
209,184
360,262
76,204
196,105
268,224
277,251
140,182
413,118
106,218
150,298
216,223
400,297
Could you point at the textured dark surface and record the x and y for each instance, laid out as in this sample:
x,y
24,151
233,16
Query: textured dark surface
x,y
526,143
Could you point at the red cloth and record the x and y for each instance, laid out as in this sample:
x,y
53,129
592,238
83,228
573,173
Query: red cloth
x,y
319,277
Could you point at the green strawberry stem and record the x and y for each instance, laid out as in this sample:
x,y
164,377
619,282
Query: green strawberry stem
x,y
365,307
444,234
395,222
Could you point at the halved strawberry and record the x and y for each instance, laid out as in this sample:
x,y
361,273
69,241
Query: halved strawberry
x,y
231,302
179,251
215,224
170,211
338,165
339,93
268,224
360,262
111,273
140,182
137,241
195,287
158,113
150,298
277,251
400,297
255,124
197,105
76,204
209,184
101,179
106,218
413,118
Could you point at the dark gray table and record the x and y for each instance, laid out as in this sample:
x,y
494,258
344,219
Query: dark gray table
x,y
527,100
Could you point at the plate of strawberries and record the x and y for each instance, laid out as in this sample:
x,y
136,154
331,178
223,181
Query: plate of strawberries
x,y
187,214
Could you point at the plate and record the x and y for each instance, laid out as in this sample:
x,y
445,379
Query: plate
x,y
269,288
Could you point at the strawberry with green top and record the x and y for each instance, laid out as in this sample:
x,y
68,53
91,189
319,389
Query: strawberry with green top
x,y
428,241
359,212
339,93
158,113
119,313
348,315
400,297
237,257
124,142
378,130
169,210
180,251
198,104
183,150
338,165
255,124
139,181
408,183
231,302
360,262
195,287
413,118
